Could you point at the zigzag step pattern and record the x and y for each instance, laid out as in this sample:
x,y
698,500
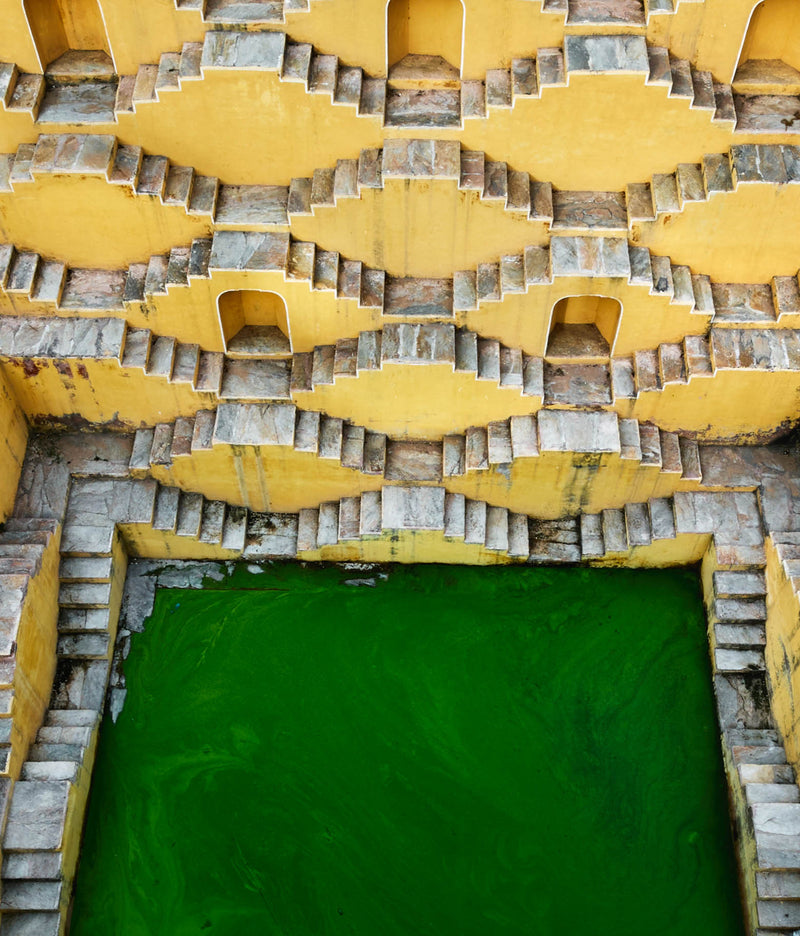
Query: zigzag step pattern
x,y
375,97
29,275
478,449
22,545
413,508
273,206
128,167
263,380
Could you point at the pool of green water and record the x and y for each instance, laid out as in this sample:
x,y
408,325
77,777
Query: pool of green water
x,y
454,751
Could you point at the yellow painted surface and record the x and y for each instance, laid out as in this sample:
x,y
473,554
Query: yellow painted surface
x,y
409,546
746,236
16,40
288,132
36,653
462,230
117,227
782,653
101,392
142,540
425,27
558,484
418,402
265,478
13,440
747,406
140,32
708,33
774,33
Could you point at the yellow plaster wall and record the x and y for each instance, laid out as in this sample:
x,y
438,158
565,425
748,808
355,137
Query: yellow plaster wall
x,y
708,33
116,227
418,402
13,441
461,229
281,130
782,653
140,32
409,546
576,137
774,32
100,391
36,653
746,236
523,320
143,540
557,484
265,478
16,40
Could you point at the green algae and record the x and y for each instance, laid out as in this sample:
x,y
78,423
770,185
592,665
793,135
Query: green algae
x,y
454,751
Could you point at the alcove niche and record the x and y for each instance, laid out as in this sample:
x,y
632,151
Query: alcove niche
x,y
254,323
424,39
70,39
770,59
583,327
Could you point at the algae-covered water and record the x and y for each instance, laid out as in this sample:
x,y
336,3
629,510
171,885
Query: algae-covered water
x,y
454,751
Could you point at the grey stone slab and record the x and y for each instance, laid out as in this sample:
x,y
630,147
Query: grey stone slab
x,y
35,865
36,816
255,424
31,924
566,431
370,514
270,536
475,515
412,508
454,515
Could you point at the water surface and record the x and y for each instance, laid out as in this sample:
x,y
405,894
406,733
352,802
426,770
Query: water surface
x,y
454,751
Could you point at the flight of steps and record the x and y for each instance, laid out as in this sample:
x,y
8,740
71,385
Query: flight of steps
x,y
616,531
246,424
613,13
35,884
297,62
244,12
179,363
719,173
670,364
127,166
432,107
22,546
528,77
767,794
479,449
418,344
413,508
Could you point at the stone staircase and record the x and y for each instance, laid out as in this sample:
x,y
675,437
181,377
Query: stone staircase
x,y
244,12
479,449
128,167
718,174
321,73
412,508
528,77
295,62
417,344
633,13
22,546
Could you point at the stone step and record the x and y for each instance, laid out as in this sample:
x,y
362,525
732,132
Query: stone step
x,y
413,508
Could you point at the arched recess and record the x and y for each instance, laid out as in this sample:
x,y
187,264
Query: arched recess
x,y
254,323
70,37
583,327
425,29
769,62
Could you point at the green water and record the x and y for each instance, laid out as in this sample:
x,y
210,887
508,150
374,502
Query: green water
x,y
459,752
